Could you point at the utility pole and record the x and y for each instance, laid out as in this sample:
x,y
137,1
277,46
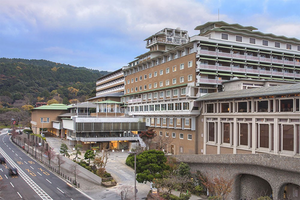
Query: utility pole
x,y
134,175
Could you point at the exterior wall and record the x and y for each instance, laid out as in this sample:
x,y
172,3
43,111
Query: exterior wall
x,y
36,116
170,76
174,144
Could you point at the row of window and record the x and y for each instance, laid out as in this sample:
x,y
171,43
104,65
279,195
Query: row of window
x,y
288,135
264,42
161,72
181,135
161,107
161,84
259,105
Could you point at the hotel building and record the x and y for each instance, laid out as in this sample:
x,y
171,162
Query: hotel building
x,y
163,84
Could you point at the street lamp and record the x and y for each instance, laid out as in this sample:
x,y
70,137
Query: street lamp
x,y
134,175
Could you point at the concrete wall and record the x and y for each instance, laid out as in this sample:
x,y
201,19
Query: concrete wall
x,y
253,174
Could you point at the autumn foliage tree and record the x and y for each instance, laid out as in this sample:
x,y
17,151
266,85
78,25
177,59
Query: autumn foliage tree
x,y
218,187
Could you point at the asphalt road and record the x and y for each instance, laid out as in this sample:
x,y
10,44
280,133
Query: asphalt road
x,y
33,181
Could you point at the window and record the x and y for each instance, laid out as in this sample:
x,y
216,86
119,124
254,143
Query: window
x,y
187,122
161,84
298,48
210,108
146,108
189,137
181,66
171,121
136,89
181,149
155,95
243,131
141,88
264,135
181,79
131,89
167,70
224,107
45,120
136,79
168,93
155,85
160,133
177,106
288,46
174,81
190,64
226,133
161,94
155,74
239,38
174,68
277,44
185,106
161,72
167,82
175,92
150,75
158,121
128,90
149,96
132,80
145,87
252,41
265,42
144,96
211,131
173,135
183,91
181,135
190,77
167,134
141,78
150,86
224,36
151,107
288,137
170,106
128,81
164,121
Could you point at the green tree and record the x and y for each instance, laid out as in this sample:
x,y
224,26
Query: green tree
x,y
149,165
64,150
77,150
89,154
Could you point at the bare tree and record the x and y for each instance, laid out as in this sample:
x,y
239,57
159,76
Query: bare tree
x,y
60,161
101,162
161,142
74,168
50,154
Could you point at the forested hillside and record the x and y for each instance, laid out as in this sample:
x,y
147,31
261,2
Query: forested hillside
x,y
31,81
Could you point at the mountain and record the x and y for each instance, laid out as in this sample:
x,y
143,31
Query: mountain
x,y
42,80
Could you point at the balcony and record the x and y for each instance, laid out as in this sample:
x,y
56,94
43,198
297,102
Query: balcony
x,y
206,52
252,58
106,139
289,62
239,56
209,81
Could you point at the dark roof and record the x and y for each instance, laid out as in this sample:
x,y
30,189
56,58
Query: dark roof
x,y
110,74
116,94
256,92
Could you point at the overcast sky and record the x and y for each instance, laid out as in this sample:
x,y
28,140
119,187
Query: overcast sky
x,y
107,35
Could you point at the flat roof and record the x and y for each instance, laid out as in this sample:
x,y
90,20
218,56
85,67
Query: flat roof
x,y
255,92
53,107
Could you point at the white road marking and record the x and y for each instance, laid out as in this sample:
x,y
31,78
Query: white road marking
x,y
39,191
12,184
60,190
31,167
1,169
39,173
13,151
48,181
25,162
16,154
20,195
20,158
6,176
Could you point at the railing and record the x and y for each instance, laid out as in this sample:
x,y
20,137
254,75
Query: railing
x,y
105,139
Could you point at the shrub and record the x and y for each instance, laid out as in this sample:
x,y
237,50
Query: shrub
x,y
198,189
106,175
